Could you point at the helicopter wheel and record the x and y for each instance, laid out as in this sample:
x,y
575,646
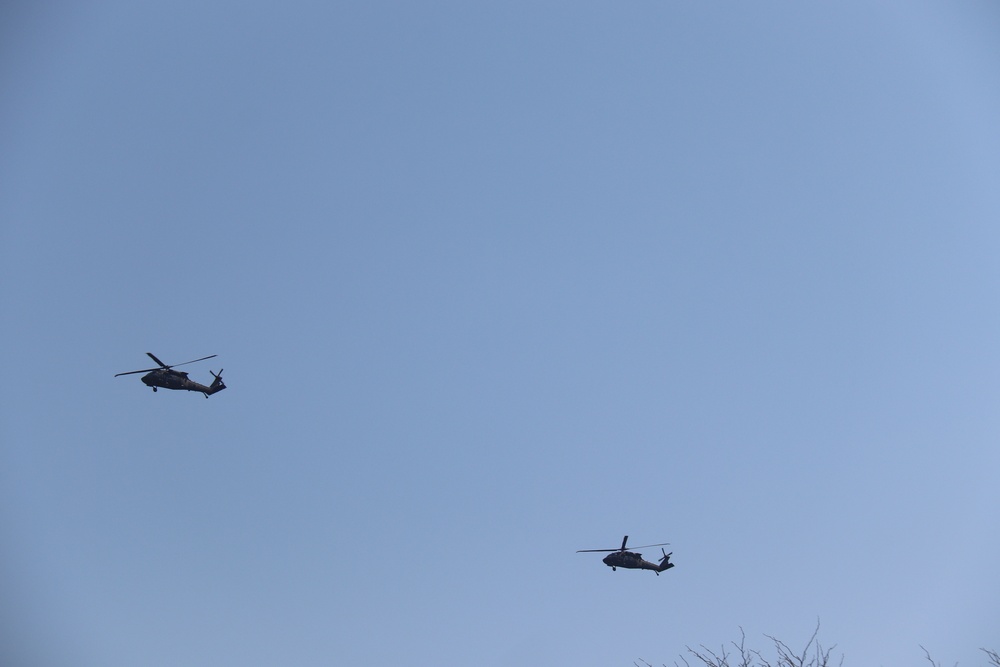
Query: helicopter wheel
x,y
154,390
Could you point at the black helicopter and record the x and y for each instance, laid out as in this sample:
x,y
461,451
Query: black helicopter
x,y
631,560
166,377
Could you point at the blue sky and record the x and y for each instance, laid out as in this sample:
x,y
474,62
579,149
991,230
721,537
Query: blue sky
x,y
491,284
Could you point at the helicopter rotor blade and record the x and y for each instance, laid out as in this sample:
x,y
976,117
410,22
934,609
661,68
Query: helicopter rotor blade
x,y
594,551
645,546
153,357
624,540
145,370
192,361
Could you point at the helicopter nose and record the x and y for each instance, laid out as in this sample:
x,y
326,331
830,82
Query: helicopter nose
x,y
606,559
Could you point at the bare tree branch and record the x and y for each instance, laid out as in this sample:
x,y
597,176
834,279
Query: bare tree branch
x,y
927,654
813,654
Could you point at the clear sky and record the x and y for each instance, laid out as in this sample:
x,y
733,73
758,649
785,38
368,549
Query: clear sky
x,y
491,283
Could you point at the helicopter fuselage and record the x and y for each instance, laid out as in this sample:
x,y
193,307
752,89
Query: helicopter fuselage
x,y
634,561
171,379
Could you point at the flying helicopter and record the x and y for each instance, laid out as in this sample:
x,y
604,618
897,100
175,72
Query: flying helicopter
x,y
166,377
631,560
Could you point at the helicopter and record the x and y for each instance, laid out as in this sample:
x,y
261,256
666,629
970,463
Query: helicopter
x,y
631,560
166,377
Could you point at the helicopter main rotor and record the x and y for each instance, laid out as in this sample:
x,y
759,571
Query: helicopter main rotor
x,y
163,366
622,547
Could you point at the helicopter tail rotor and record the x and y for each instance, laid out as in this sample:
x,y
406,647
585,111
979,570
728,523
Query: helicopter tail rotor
x,y
665,563
217,383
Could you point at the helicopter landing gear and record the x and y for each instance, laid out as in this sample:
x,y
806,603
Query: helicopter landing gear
x,y
154,390
614,569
